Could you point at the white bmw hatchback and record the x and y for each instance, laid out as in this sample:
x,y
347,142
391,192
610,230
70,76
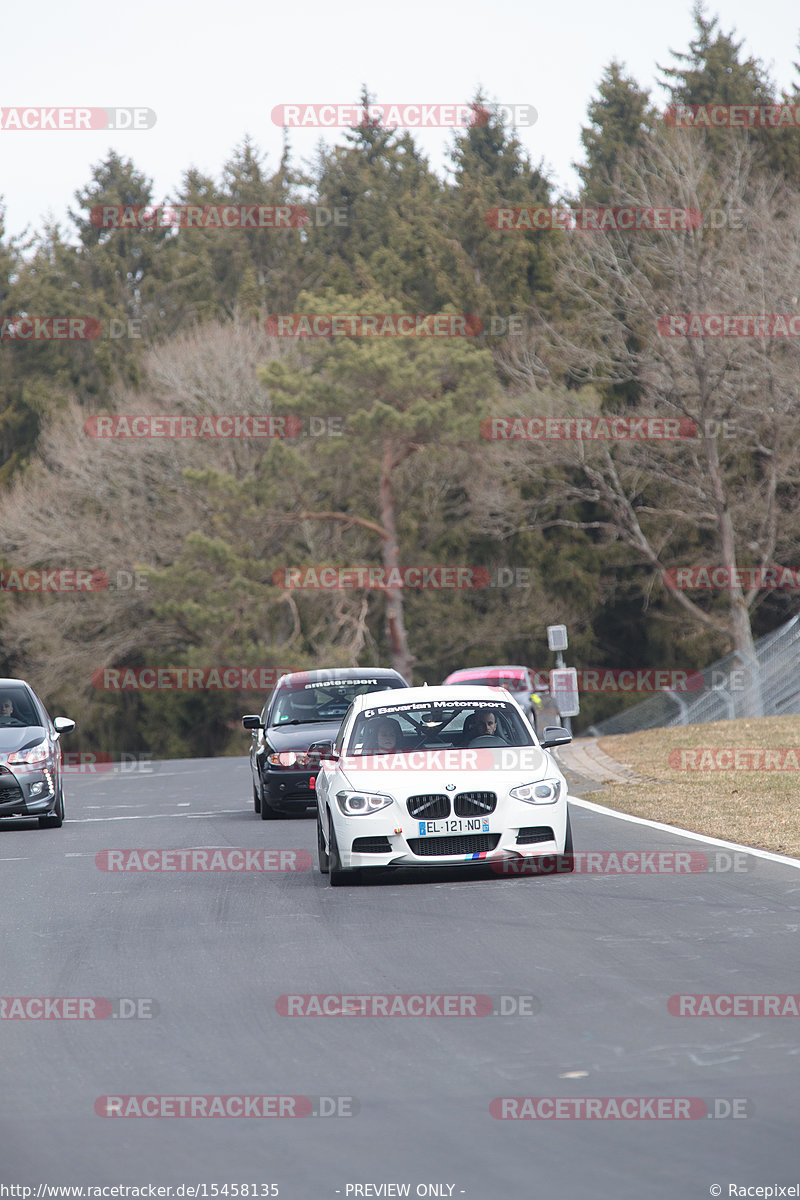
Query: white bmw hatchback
x,y
439,777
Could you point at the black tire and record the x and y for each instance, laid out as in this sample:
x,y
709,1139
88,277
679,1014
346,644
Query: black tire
x,y
267,813
55,819
339,877
322,853
567,861
256,799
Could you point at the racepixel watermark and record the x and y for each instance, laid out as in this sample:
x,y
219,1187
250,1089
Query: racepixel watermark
x,y
600,220
619,1108
216,216
405,115
587,429
189,679
70,579
374,325
77,1008
726,1004
735,758
729,325
102,762
733,116
180,426
227,1106
412,1004
76,118
50,329
628,862
200,859
434,578
771,578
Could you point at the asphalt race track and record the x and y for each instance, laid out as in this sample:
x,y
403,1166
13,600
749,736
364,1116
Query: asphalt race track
x,y
207,954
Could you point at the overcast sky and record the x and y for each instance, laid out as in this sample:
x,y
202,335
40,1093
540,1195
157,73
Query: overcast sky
x,y
213,70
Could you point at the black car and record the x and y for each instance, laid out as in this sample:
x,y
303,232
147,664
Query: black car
x,y
305,707
30,756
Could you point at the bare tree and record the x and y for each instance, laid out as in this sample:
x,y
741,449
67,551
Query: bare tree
x,y
727,495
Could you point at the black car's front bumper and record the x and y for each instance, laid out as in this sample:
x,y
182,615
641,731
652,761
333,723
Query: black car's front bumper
x,y
289,790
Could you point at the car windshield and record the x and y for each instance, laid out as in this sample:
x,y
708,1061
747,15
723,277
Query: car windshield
x,y
16,707
329,700
438,725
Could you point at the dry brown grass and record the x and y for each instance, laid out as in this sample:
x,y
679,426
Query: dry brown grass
x,y
755,807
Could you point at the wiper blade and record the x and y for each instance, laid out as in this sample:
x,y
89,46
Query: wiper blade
x,y
316,721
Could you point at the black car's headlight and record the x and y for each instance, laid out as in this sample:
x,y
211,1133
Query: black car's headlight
x,y
32,757
292,758
546,791
356,804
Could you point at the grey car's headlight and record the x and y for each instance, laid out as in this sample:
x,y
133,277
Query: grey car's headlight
x,y
546,791
29,758
356,804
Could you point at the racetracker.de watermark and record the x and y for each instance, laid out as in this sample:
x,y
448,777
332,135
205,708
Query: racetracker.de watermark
x,y
199,859
733,116
374,325
191,679
50,329
226,1106
406,115
406,1004
769,578
77,1008
628,680
583,429
727,1004
600,220
729,325
629,862
72,118
103,762
435,578
619,1108
735,758
215,425
216,216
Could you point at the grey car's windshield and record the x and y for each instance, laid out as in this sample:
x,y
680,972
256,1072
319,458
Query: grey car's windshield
x,y
16,708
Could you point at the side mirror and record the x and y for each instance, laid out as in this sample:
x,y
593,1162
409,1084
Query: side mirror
x,y
324,751
63,725
253,722
555,735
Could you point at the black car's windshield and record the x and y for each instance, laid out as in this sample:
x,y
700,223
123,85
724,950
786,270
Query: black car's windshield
x,y
312,703
436,725
16,708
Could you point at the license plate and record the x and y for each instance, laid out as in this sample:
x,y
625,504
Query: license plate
x,y
454,825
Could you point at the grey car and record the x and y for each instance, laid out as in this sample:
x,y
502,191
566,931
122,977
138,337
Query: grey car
x,y
30,756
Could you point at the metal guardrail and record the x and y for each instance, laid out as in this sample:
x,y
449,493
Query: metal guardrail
x,y
769,686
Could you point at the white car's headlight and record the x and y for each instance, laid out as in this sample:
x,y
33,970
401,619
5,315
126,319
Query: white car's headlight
x,y
29,758
356,804
546,791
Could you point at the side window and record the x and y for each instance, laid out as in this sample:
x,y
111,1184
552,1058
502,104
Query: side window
x,y
337,745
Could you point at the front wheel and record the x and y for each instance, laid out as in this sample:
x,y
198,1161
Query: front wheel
x,y
567,861
256,799
55,819
324,860
339,877
267,813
